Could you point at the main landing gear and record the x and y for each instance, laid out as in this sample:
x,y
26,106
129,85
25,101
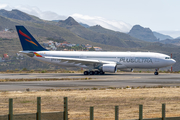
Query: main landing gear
x,y
156,72
93,73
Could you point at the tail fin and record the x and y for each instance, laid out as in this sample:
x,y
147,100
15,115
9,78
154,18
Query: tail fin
x,y
28,42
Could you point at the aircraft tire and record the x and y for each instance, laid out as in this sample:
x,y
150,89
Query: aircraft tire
x,y
101,73
91,73
86,72
96,73
156,73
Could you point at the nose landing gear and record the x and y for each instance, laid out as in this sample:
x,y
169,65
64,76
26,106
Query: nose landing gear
x,y
156,72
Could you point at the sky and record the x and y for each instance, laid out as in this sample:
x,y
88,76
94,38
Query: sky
x,y
120,15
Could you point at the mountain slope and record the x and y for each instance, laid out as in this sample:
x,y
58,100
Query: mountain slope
x,y
41,31
171,41
6,23
84,25
85,33
120,35
131,41
161,36
142,33
101,35
18,15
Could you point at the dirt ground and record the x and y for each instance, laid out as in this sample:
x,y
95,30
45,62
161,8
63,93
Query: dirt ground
x,y
104,102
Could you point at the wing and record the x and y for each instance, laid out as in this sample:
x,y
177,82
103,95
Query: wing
x,y
87,62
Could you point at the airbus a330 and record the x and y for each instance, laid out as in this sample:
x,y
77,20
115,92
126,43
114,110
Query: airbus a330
x,y
94,62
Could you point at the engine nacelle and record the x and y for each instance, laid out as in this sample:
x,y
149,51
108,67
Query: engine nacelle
x,y
30,54
109,68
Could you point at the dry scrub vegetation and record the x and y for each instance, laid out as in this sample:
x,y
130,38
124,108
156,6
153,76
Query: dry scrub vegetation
x,y
104,102
42,79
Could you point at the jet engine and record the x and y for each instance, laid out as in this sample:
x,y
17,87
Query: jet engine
x,y
109,68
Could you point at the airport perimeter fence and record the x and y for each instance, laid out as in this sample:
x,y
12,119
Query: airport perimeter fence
x,y
38,115
64,115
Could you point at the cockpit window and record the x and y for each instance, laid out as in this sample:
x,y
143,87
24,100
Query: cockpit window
x,y
167,58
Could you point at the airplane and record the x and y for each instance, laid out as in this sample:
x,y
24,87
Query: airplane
x,y
94,62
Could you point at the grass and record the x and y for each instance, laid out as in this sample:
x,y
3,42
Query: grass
x,y
43,79
25,101
24,70
103,100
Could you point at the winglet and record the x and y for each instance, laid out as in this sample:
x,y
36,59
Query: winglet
x,y
28,42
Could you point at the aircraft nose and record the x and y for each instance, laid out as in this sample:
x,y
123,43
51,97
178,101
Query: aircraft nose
x,y
173,61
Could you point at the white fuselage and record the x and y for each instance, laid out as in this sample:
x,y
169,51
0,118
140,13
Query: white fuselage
x,y
145,60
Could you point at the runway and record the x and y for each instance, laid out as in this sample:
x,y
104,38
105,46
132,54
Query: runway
x,y
97,81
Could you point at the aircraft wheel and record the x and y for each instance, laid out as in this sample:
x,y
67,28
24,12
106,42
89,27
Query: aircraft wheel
x,y
96,72
101,73
91,73
156,73
86,72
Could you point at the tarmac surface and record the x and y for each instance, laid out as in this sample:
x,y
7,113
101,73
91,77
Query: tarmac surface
x,y
97,81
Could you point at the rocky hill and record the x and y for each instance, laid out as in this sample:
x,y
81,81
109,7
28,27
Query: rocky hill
x,y
101,35
68,22
18,15
120,35
142,33
130,41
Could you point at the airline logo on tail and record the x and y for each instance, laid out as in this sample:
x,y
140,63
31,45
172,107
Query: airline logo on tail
x,y
23,34
37,55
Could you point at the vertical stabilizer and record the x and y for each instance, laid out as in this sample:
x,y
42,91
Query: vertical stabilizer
x,y
28,42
